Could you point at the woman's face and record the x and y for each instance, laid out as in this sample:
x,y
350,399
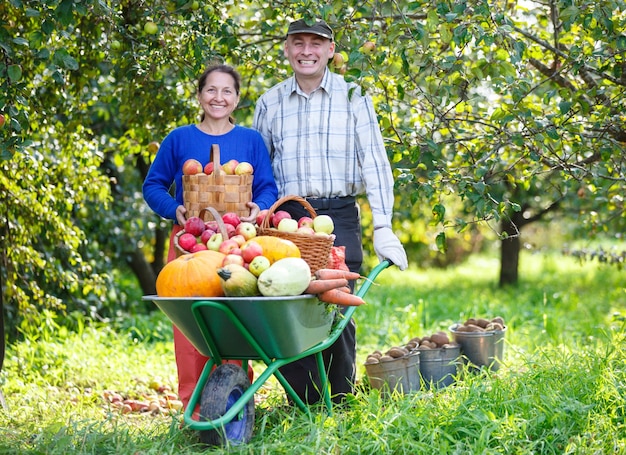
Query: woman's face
x,y
218,98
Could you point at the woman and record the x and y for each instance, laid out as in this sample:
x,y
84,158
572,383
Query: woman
x,y
218,95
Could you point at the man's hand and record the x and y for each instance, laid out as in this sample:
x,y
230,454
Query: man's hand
x,y
254,211
388,246
181,217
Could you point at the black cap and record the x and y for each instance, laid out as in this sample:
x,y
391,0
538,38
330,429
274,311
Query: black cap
x,y
319,27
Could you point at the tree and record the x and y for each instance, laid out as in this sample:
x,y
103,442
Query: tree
x,y
494,113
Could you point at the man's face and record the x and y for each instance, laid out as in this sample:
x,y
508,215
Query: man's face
x,y
308,54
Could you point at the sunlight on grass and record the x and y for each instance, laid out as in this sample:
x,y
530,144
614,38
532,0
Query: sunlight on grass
x,y
561,388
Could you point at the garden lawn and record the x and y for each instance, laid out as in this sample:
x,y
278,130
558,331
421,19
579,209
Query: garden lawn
x,y
561,388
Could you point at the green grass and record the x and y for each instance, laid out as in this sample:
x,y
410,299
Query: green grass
x,y
561,389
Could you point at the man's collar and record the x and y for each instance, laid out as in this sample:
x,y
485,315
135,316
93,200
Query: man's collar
x,y
325,84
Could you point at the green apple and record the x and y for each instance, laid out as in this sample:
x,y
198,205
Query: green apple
x,y
323,224
258,265
150,28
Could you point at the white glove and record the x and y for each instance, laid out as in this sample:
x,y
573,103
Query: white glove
x,y
388,246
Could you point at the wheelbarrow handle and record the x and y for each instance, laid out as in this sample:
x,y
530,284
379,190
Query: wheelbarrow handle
x,y
371,277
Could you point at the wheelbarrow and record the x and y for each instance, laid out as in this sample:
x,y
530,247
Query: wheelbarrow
x,y
274,330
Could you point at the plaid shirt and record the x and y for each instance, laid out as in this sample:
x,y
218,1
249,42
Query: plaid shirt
x,y
326,144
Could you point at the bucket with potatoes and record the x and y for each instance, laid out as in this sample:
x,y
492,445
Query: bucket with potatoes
x,y
481,341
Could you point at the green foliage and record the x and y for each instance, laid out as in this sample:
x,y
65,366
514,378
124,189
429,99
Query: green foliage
x,y
493,112
560,389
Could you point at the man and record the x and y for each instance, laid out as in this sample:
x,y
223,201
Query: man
x,y
326,146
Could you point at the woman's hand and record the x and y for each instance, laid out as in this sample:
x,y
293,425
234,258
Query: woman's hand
x,y
254,211
181,217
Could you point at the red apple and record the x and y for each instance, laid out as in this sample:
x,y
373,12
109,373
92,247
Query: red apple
x,y
246,230
305,230
198,247
258,265
187,241
227,246
250,250
278,216
230,229
208,168
230,166
305,221
261,216
233,259
231,218
195,225
368,47
288,225
2,120
214,242
206,235
212,225
240,239
191,167
244,168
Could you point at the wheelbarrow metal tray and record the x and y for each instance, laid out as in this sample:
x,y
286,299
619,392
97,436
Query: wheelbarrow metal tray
x,y
282,326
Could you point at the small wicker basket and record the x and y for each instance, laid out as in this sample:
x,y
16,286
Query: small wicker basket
x,y
314,249
223,192
220,224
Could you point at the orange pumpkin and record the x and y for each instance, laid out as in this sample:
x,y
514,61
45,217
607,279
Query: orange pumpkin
x,y
275,248
191,275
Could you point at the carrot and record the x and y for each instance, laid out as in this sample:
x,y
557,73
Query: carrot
x,y
340,297
330,274
318,286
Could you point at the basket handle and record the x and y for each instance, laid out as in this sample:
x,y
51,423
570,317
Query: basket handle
x,y
215,153
265,224
217,217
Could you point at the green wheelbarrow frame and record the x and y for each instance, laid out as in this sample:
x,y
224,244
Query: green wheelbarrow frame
x,y
274,358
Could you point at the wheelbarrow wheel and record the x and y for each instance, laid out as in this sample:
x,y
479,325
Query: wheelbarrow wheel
x,y
224,387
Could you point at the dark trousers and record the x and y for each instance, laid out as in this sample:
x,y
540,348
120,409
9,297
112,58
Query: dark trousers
x,y
340,358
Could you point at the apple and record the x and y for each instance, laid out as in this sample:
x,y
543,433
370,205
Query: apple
x,y
153,147
305,221
198,247
231,218
368,47
206,235
323,224
246,230
288,225
337,61
306,230
230,229
236,251
278,216
192,167
215,241
2,120
258,265
208,168
244,168
195,225
250,250
240,239
150,28
230,166
227,246
186,241
261,216
212,225
233,259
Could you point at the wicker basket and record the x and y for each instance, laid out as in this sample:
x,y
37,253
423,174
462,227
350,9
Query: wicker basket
x,y
220,224
314,249
223,192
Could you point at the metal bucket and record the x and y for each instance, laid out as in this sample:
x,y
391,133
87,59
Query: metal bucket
x,y
439,367
481,349
401,375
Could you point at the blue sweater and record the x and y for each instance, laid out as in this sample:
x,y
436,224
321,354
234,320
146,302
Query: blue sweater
x,y
185,142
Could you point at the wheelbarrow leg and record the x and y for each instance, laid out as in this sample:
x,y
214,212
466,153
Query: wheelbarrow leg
x,y
324,382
